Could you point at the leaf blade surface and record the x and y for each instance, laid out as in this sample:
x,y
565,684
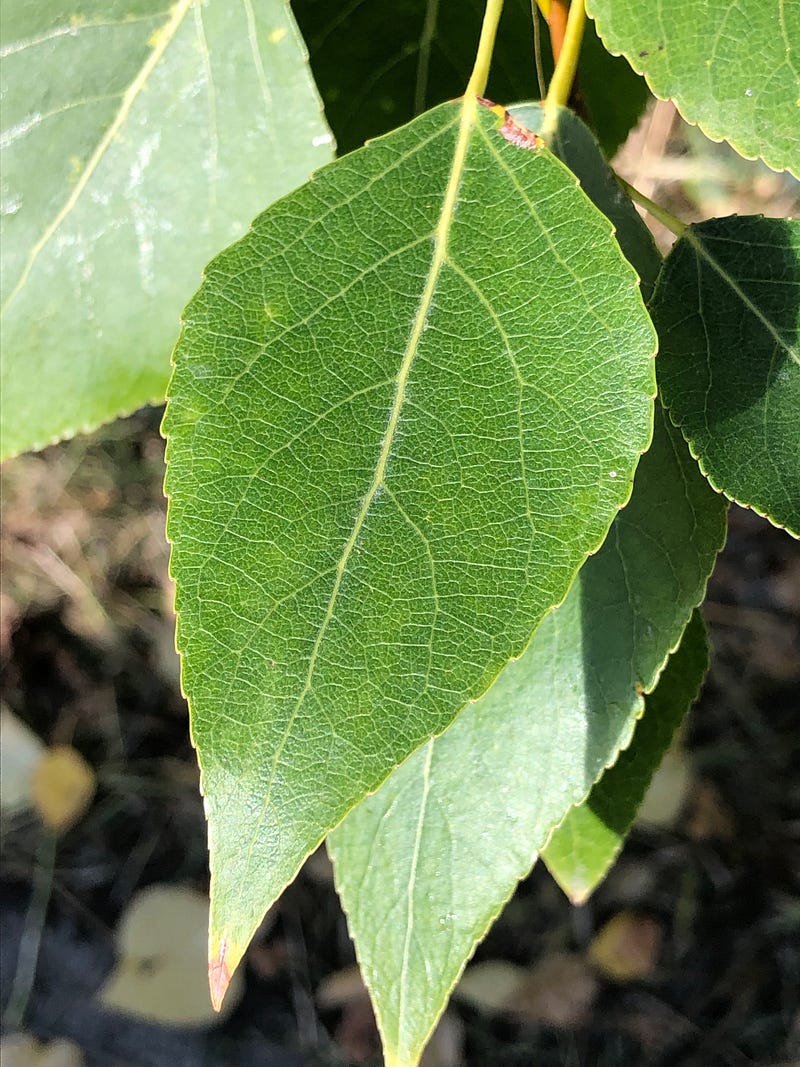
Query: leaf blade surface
x,y
425,865
584,846
380,473
136,145
728,313
730,68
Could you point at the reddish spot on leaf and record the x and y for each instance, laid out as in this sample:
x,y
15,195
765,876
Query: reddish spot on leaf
x,y
219,975
512,130
520,135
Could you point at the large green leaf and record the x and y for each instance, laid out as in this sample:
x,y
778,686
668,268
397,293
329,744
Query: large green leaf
x,y
727,308
379,64
582,849
425,865
139,139
729,67
404,408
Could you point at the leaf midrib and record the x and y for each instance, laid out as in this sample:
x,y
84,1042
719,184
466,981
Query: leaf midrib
x,y
700,250
440,239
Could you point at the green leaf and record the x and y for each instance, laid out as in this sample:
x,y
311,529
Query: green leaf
x,y
583,848
379,64
138,141
425,865
404,409
727,309
728,66
577,147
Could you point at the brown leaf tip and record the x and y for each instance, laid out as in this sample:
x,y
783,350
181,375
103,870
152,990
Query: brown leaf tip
x,y
219,975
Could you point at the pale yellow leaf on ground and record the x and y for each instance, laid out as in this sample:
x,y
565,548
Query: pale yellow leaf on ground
x,y
341,988
62,787
667,793
491,986
161,973
20,754
23,1050
627,947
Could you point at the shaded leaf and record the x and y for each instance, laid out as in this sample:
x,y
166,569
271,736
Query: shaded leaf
x,y
728,67
581,850
425,865
404,409
727,309
137,143
612,93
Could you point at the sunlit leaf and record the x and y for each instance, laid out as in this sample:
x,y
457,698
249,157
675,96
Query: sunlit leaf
x,y
137,141
729,67
404,409
426,864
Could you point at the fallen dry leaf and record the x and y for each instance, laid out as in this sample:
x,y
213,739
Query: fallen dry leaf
x,y
161,974
341,988
62,787
627,947
667,793
709,818
22,1050
446,1046
21,752
490,986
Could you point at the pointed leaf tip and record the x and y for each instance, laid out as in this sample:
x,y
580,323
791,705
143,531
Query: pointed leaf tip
x,y
219,974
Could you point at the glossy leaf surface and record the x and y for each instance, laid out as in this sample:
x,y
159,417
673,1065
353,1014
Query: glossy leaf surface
x,y
138,140
584,846
404,408
731,68
727,309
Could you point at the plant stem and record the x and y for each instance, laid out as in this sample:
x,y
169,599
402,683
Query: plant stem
x,y
537,48
666,218
564,74
480,72
557,20
31,936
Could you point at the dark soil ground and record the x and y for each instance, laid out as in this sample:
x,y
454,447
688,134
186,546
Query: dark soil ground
x,y
87,658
